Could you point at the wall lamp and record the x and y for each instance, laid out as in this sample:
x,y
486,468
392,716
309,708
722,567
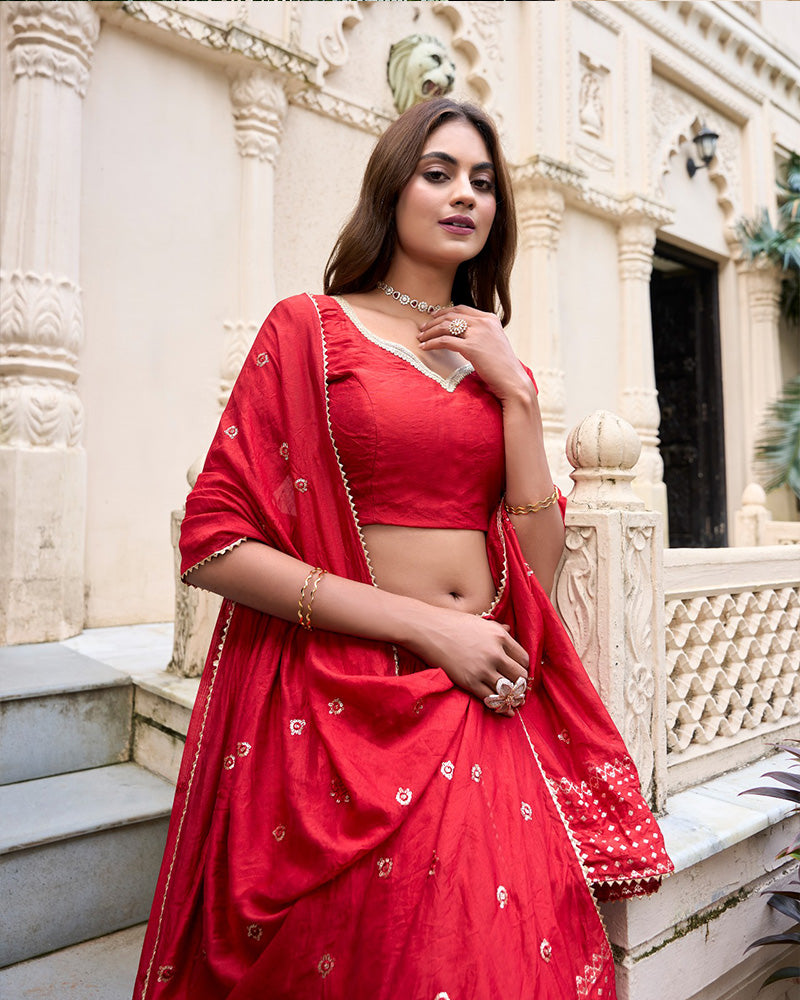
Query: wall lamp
x,y
706,142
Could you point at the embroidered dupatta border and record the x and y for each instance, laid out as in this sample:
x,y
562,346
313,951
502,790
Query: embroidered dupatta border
x,y
219,552
189,784
568,830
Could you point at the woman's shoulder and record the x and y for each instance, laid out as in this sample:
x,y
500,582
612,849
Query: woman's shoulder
x,y
301,305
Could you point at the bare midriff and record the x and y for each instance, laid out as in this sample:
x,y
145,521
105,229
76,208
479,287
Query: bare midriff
x,y
445,567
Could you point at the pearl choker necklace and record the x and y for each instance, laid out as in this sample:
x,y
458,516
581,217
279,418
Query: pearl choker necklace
x,y
406,300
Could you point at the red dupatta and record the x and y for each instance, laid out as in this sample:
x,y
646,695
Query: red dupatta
x,y
347,823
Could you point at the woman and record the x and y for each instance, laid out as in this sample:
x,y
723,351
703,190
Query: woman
x,y
398,781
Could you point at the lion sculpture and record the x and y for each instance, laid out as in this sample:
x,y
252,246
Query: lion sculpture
x,y
419,68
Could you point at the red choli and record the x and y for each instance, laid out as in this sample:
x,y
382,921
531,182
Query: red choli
x,y
347,823
381,414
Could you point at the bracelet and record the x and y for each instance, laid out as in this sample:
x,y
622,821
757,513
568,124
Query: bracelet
x,y
303,596
534,508
307,623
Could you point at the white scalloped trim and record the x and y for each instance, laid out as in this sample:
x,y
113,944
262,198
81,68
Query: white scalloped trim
x,y
504,574
333,442
400,351
219,552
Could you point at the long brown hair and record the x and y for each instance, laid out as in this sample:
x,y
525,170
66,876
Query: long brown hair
x,y
363,251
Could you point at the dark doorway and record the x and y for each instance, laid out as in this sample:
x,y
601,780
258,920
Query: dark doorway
x,y
685,314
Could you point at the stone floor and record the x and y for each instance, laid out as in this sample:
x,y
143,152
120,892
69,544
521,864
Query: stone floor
x,y
102,969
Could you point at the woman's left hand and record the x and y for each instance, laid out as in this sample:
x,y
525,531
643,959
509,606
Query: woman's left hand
x,y
483,343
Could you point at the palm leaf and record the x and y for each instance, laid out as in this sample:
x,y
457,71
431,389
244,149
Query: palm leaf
x,y
778,448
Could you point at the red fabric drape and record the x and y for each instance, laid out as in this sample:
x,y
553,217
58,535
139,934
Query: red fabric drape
x,y
347,823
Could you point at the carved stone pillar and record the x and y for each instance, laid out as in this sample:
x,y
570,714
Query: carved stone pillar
x,y
610,592
259,107
638,402
42,462
761,365
540,209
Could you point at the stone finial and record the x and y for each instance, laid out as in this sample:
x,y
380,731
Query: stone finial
x,y
419,69
754,496
603,450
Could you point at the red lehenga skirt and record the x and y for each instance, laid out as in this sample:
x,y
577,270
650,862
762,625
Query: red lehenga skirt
x,y
349,825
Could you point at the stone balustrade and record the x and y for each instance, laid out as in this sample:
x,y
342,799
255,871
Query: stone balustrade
x,y
754,524
732,638
724,681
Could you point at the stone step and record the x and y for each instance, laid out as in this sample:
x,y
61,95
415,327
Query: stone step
x,y
101,969
60,711
79,856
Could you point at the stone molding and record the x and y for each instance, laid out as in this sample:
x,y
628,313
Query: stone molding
x,y
596,13
241,46
677,115
771,70
576,189
233,39
53,40
332,44
259,109
477,35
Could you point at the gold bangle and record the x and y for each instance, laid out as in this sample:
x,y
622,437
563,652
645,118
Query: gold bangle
x,y
307,624
303,596
534,508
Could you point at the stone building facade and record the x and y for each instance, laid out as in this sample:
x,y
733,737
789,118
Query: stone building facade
x,y
170,169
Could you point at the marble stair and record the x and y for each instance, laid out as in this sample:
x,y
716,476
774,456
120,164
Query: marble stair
x,y
82,826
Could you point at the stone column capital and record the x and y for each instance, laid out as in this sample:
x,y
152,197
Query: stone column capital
x,y
53,40
636,239
259,108
540,210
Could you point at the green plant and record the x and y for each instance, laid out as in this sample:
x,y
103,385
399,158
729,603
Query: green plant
x,y
779,244
787,901
778,448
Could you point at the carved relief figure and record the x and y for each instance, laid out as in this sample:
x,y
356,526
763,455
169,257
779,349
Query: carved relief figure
x,y
419,69
591,104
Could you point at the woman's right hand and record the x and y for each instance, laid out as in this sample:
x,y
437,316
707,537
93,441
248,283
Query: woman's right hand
x,y
474,652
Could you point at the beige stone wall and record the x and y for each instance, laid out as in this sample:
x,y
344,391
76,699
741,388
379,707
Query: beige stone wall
x,y
604,94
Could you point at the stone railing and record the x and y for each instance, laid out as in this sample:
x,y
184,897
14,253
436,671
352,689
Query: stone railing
x,y
732,636
695,652
754,524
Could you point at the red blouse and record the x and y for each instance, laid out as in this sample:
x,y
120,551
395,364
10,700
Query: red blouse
x,y
380,415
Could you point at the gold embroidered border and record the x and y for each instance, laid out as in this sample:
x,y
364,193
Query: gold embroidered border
x,y
570,835
214,667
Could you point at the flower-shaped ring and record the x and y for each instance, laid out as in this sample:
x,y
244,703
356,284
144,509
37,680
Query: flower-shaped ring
x,y
457,327
508,695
